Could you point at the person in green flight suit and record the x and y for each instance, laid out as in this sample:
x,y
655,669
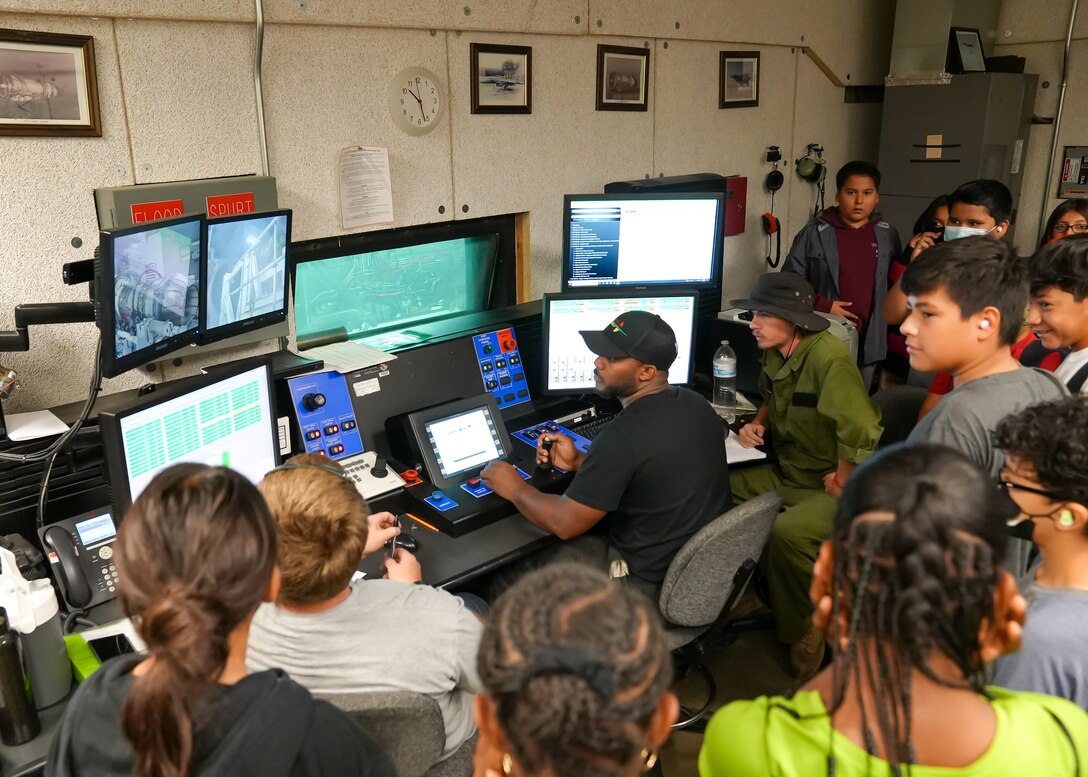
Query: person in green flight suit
x,y
815,410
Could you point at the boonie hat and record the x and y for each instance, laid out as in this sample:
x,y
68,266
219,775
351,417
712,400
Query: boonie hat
x,y
786,295
636,334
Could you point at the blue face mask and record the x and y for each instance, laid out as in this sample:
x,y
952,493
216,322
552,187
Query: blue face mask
x,y
956,232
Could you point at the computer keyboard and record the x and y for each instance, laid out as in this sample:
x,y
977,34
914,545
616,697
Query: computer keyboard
x,y
589,429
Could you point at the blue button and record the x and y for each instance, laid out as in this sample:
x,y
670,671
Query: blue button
x,y
438,496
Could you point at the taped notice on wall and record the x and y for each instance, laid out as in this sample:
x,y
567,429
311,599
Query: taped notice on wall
x,y
366,186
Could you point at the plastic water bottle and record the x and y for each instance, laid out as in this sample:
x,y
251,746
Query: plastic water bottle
x,y
725,376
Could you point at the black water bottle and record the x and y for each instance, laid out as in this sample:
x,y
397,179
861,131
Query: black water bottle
x,y
18,718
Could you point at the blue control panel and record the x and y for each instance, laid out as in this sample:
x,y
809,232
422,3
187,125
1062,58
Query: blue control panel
x,y
530,434
476,487
500,367
324,413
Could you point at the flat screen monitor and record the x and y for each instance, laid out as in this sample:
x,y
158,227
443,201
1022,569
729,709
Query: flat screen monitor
x,y
224,419
243,280
458,439
148,290
646,240
569,363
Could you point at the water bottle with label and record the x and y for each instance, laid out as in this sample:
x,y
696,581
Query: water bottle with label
x,y
725,377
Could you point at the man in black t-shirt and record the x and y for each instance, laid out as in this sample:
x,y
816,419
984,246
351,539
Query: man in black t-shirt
x,y
657,473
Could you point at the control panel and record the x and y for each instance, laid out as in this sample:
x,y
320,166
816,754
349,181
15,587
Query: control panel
x,y
530,434
501,369
325,416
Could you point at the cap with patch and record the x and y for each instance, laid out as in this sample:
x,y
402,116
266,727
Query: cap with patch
x,y
636,334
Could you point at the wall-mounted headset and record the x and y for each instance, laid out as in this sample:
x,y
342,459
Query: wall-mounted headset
x,y
771,225
813,168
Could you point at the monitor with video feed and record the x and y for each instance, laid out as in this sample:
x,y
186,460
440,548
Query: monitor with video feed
x,y
148,290
662,239
223,419
568,362
243,279
457,439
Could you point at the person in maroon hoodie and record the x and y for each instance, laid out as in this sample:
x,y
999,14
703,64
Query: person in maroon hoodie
x,y
844,253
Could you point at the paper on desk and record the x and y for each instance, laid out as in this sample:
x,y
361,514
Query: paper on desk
x,y
348,356
31,426
736,453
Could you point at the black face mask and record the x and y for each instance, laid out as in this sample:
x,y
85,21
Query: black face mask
x,y
1023,530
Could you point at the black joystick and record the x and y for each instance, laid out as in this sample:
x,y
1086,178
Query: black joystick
x,y
313,401
546,466
380,468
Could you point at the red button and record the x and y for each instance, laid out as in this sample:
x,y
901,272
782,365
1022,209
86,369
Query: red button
x,y
474,481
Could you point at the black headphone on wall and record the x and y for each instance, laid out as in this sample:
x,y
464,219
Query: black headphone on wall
x,y
770,223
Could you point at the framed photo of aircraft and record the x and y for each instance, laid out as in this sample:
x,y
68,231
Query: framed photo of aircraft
x,y
738,79
623,73
48,84
501,78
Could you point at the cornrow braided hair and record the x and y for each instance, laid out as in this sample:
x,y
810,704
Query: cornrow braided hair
x,y
918,550
576,664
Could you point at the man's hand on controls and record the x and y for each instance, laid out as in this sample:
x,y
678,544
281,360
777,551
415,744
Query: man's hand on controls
x,y
751,435
563,453
381,527
404,568
502,478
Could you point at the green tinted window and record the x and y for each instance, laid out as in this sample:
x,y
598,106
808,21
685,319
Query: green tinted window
x,y
378,296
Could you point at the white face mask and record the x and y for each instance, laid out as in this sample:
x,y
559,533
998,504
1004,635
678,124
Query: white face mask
x,y
956,232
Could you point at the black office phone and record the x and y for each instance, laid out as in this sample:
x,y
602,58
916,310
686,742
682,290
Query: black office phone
x,y
80,553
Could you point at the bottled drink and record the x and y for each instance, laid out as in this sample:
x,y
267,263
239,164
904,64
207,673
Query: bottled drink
x,y
725,376
19,721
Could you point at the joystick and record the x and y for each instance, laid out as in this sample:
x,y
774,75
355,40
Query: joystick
x,y
380,468
546,466
313,401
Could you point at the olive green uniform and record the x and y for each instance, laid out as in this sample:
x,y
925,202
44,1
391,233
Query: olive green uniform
x,y
819,413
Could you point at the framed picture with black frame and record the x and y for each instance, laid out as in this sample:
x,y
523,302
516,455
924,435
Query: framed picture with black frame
x,y
965,51
501,78
738,79
623,75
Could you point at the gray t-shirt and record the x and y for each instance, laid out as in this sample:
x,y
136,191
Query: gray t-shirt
x,y
1053,658
386,636
967,416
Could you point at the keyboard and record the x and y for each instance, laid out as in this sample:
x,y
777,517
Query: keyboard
x,y
589,429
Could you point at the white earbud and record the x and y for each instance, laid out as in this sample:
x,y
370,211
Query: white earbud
x,y
984,324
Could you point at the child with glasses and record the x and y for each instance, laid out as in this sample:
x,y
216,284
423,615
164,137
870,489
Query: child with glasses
x,y
1069,218
1046,474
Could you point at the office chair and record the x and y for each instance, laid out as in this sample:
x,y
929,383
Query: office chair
x,y
704,581
899,406
408,727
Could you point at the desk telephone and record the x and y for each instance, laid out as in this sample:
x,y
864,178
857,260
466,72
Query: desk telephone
x,y
81,556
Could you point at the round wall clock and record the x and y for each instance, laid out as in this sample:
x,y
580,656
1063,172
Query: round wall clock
x,y
416,100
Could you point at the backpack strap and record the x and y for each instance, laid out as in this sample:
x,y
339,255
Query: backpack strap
x,y
1077,381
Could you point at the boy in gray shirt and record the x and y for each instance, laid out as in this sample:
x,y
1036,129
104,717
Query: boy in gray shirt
x,y
967,300
1046,474
334,636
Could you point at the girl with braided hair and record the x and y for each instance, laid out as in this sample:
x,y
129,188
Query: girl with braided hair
x,y
577,675
912,594
195,556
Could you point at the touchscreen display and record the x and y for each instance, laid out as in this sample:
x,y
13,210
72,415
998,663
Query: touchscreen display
x,y
464,441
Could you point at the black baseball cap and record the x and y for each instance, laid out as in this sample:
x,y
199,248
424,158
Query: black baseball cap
x,y
636,334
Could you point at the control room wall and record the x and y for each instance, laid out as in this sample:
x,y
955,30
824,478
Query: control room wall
x,y
176,94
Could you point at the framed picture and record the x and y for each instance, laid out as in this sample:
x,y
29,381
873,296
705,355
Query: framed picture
x,y
48,84
622,76
502,78
965,51
738,79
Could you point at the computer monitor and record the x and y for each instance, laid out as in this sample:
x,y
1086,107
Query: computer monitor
x,y
225,419
642,240
458,439
148,290
569,363
243,280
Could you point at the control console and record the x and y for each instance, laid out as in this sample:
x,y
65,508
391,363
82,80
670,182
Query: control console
x,y
501,369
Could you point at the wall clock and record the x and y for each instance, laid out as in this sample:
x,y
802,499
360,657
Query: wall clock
x,y
416,100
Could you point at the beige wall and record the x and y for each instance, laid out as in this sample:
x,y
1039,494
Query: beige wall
x,y
177,102
1024,29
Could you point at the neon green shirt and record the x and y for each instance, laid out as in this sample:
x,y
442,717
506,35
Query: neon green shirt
x,y
788,737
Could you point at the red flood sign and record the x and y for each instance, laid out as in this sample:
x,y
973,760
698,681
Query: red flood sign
x,y
230,204
149,211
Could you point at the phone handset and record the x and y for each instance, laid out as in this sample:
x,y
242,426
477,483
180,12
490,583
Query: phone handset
x,y
73,580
